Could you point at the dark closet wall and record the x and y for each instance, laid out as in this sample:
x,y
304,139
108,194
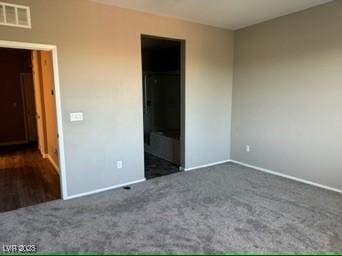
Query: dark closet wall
x,y
12,63
161,60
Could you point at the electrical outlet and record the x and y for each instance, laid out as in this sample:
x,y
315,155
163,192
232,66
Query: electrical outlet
x,y
248,148
119,164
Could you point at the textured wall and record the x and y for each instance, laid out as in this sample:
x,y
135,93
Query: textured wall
x,y
100,71
287,95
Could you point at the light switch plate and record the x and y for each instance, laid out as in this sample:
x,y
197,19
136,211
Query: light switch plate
x,y
119,164
76,117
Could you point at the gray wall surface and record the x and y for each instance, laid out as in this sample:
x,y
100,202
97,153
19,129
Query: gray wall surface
x,y
287,95
100,74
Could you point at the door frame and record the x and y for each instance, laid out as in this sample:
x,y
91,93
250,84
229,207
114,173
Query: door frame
x,y
39,103
53,50
23,96
182,141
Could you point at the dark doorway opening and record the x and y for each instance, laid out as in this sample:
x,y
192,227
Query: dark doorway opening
x,y
163,81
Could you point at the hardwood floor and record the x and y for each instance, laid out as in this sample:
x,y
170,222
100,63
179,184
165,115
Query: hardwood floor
x,y
26,178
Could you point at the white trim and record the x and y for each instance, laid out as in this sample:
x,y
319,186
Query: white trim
x,y
27,46
58,102
207,165
52,162
103,189
53,49
12,143
287,176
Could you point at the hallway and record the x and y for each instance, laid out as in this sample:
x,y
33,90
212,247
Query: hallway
x,y
26,178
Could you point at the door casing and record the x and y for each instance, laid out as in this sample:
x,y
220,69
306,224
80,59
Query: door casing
x,y
53,50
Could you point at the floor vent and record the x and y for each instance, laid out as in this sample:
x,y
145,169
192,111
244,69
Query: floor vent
x,y
15,15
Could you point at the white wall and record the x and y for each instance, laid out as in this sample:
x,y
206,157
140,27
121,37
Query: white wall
x,y
287,95
100,73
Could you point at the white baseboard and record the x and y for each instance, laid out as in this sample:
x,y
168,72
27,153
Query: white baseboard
x,y
287,176
52,162
103,189
206,165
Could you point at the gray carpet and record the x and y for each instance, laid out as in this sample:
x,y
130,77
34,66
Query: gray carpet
x,y
226,208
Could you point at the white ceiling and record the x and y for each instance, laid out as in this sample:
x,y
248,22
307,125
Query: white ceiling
x,y
229,14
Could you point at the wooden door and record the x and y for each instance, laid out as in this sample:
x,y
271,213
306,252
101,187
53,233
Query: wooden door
x,y
39,103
